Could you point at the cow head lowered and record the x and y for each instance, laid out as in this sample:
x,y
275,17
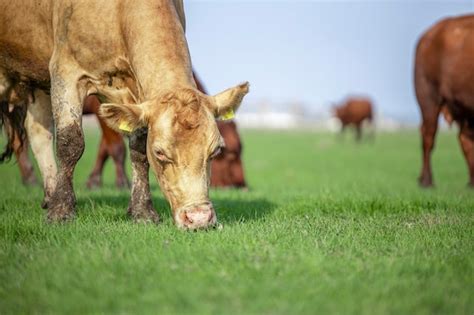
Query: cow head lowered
x,y
182,139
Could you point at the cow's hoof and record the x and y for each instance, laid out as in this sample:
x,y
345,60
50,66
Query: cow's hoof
x,y
60,215
470,185
196,218
425,182
30,181
94,182
144,216
44,203
122,183
243,188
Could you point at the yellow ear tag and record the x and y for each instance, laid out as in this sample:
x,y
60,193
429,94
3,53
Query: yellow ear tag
x,y
227,115
124,126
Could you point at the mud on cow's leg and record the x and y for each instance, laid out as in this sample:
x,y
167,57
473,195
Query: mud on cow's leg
x,y
466,139
67,110
69,148
140,207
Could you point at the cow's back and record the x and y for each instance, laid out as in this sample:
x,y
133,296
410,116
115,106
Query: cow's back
x,y
96,35
26,37
357,109
88,31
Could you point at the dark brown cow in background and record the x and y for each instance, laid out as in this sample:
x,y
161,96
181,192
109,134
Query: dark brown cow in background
x,y
353,112
227,168
111,145
25,165
444,82
27,170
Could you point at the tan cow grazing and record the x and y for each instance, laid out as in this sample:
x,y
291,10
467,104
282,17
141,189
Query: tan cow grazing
x,y
353,112
444,82
136,58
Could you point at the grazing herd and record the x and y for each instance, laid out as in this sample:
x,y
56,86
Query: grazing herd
x,y
133,71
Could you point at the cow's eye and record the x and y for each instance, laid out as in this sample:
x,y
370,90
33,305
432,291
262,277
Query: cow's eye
x,y
216,152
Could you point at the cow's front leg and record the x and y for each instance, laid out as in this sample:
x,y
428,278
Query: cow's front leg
x,y
140,207
67,111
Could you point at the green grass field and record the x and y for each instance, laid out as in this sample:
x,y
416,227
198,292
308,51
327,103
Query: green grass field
x,y
328,227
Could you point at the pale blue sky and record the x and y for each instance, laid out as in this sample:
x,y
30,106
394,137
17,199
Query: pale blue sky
x,y
314,51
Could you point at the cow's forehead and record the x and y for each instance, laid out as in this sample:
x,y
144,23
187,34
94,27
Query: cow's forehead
x,y
161,124
167,130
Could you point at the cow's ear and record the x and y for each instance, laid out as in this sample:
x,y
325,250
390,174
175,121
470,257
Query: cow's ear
x,y
229,100
125,117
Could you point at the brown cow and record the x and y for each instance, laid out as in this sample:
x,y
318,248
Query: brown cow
x,y
226,168
16,144
354,111
444,82
12,116
137,59
25,165
111,145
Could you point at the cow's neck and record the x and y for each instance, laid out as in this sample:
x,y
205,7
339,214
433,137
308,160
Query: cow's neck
x,y
157,49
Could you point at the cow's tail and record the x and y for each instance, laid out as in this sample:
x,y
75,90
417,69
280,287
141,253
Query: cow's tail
x,y
12,121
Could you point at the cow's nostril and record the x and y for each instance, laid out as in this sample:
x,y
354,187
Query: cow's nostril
x,y
189,219
199,217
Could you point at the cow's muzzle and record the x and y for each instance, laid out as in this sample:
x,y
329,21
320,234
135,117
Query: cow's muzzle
x,y
196,217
